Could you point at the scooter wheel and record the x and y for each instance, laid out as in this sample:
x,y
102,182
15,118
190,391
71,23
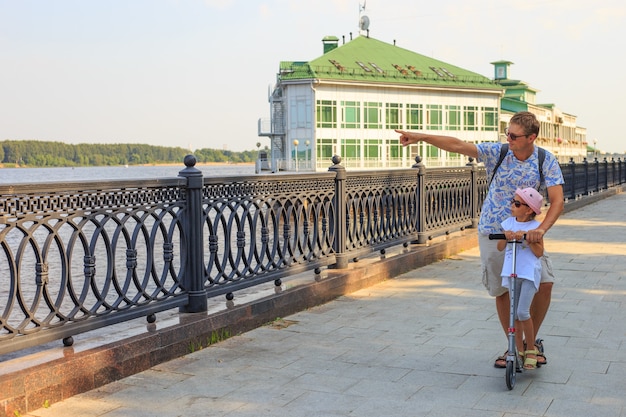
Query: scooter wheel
x,y
510,375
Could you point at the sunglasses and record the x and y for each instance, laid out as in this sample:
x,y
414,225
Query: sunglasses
x,y
518,203
512,136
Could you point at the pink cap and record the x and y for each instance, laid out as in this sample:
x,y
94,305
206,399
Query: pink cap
x,y
532,197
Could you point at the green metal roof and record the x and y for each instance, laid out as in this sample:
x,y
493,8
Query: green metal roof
x,y
516,85
513,105
366,59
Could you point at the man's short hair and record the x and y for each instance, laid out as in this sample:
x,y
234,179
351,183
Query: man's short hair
x,y
528,121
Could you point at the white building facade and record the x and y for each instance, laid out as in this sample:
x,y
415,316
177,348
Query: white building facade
x,y
349,101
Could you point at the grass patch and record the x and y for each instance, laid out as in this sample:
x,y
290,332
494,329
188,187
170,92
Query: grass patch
x,y
216,336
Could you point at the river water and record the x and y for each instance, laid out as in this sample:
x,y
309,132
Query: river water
x,y
37,175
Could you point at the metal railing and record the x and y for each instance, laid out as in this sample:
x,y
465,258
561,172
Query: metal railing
x,y
590,177
81,256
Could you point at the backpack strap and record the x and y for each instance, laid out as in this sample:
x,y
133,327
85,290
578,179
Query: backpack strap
x,y
541,154
542,158
503,150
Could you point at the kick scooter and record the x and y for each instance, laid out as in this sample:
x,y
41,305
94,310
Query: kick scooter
x,y
513,362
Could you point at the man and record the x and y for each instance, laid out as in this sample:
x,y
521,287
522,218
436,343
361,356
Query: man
x,y
519,169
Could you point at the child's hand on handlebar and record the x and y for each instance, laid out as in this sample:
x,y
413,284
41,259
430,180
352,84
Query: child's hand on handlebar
x,y
510,235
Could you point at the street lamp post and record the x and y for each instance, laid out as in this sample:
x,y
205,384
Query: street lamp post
x,y
295,144
257,164
595,148
308,160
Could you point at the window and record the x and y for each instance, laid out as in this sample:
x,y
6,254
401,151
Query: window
x,y
372,115
325,148
448,73
454,117
350,149
351,114
438,72
470,118
372,148
434,117
395,150
377,68
326,113
415,150
414,117
432,151
393,114
300,113
362,65
490,118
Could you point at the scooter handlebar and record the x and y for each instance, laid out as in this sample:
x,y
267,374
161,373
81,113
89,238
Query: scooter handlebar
x,y
499,236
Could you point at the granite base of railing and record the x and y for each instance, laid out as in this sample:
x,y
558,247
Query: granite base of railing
x,y
31,381
27,383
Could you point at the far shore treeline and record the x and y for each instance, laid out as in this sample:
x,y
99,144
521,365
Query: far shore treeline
x,y
33,153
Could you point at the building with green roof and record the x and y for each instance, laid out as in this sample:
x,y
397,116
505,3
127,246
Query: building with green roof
x,y
350,100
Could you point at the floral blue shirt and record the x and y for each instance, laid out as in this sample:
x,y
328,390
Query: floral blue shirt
x,y
511,174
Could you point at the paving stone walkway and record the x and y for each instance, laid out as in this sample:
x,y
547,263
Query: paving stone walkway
x,y
421,344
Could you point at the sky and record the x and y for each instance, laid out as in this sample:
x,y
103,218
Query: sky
x,y
197,73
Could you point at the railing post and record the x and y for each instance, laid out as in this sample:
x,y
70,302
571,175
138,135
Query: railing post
x,y
474,197
192,245
586,169
340,203
572,173
606,173
420,223
597,174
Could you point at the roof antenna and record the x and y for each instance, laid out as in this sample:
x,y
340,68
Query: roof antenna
x,y
364,21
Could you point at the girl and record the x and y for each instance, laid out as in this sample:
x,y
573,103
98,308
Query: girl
x,y
525,205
